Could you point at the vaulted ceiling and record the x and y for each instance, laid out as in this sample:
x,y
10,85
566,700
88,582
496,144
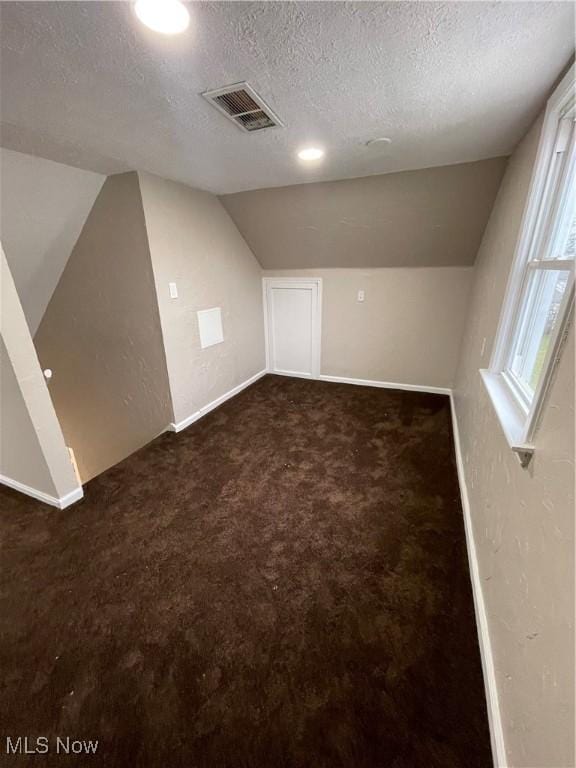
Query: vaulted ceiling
x,y
433,217
85,84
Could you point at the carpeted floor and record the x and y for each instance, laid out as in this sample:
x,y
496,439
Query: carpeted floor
x,y
282,585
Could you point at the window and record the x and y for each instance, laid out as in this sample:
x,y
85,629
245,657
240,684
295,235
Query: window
x,y
541,287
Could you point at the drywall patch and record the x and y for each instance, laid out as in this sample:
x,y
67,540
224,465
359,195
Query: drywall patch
x,y
210,327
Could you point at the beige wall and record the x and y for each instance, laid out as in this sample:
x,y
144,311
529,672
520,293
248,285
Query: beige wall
x,y
523,519
101,336
194,243
32,448
428,218
407,330
21,456
43,206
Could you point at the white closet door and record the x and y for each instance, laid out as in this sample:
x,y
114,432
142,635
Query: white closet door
x,y
293,326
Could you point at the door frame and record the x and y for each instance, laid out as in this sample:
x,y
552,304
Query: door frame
x,y
296,282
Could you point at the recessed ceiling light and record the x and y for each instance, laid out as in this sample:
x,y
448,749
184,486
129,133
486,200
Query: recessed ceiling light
x,y
311,153
381,140
168,17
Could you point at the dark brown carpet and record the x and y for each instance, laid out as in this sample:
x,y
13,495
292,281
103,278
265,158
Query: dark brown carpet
x,y
282,585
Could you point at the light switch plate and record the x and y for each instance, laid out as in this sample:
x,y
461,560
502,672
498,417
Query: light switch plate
x,y
173,290
210,327
361,295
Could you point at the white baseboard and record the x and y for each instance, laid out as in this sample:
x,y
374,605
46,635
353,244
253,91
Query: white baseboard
x,y
71,498
490,686
293,375
54,501
180,425
388,385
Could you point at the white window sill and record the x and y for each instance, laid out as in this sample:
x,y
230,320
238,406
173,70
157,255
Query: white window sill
x,y
510,415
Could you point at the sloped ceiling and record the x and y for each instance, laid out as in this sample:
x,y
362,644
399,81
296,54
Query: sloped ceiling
x,y
429,218
86,84
43,207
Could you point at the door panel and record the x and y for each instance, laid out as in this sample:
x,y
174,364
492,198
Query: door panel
x,y
292,330
293,327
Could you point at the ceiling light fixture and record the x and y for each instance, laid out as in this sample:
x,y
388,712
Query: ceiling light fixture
x,y
311,153
169,17
381,140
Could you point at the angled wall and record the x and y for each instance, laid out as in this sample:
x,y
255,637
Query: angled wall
x,y
194,243
523,519
433,217
407,240
101,336
43,207
33,455
21,457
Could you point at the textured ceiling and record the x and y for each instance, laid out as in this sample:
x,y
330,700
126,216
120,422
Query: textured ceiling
x,y
85,84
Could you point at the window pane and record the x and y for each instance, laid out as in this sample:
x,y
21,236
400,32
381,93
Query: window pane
x,y
563,237
570,245
563,245
538,317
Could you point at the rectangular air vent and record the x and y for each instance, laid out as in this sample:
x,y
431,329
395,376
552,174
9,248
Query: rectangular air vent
x,y
241,104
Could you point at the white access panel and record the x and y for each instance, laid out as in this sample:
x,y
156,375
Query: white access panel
x,y
293,326
210,327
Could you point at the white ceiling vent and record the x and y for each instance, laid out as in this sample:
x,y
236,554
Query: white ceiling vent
x,y
241,104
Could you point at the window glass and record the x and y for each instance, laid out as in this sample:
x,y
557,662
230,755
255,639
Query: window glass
x,y
538,318
568,246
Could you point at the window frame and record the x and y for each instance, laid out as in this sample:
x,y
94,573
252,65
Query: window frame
x,y
540,227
